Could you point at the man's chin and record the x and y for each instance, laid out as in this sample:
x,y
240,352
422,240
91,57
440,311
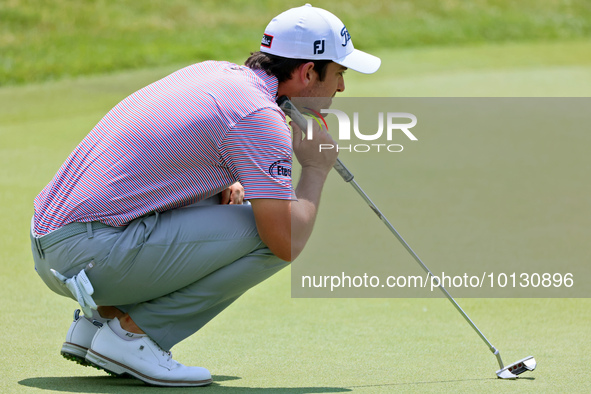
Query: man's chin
x,y
312,103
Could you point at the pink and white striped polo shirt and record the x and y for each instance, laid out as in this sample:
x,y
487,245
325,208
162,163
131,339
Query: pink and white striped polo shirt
x,y
175,142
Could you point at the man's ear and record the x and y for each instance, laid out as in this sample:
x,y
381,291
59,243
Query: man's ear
x,y
307,73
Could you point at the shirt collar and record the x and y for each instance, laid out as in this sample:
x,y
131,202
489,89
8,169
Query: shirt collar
x,y
271,82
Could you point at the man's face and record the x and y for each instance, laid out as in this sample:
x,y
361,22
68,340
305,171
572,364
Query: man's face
x,y
333,82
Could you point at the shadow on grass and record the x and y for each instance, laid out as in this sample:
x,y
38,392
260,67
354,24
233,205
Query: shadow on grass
x,y
109,384
435,382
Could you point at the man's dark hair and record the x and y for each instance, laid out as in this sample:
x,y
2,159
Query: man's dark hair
x,y
282,67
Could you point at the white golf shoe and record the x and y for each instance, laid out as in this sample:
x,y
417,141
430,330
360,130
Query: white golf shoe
x,y
143,359
79,338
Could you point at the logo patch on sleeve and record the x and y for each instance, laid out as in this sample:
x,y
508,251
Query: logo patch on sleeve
x,y
267,40
280,169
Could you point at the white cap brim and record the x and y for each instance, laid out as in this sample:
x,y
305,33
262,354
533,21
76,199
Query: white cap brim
x,y
360,61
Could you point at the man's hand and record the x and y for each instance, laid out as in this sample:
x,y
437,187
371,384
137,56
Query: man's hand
x,y
308,151
233,195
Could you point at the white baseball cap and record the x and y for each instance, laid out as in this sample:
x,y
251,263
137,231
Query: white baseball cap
x,y
313,33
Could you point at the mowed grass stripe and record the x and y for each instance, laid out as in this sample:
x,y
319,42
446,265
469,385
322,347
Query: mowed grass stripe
x,y
267,341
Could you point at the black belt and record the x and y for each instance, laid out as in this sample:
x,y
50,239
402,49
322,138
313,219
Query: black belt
x,y
69,230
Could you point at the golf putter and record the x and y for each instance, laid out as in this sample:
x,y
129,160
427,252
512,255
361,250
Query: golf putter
x,y
505,372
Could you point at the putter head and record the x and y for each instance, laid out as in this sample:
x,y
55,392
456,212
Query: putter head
x,y
517,368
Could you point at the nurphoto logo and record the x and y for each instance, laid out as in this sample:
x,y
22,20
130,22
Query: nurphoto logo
x,y
392,122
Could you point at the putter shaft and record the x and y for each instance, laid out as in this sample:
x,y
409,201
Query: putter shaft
x,y
290,110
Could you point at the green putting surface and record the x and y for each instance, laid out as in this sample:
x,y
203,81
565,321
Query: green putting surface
x,y
270,342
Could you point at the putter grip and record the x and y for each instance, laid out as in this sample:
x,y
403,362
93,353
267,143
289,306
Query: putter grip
x,y
290,110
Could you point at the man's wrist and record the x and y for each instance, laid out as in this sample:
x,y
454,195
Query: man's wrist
x,y
316,171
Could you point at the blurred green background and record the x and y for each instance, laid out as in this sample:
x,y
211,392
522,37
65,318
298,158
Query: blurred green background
x,y
64,64
44,40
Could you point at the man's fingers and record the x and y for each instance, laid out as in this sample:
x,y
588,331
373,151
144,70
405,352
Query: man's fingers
x,y
225,196
308,151
234,194
237,197
297,133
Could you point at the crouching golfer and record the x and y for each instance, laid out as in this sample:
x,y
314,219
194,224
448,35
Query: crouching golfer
x,y
144,224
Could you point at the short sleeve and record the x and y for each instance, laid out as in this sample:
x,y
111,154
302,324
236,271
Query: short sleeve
x,y
258,151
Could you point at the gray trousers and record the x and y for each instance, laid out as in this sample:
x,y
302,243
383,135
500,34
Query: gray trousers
x,y
172,272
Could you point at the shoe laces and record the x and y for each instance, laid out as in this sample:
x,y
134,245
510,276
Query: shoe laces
x,y
165,353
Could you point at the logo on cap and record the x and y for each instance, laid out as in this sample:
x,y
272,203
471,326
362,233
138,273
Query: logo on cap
x,y
267,40
345,34
318,47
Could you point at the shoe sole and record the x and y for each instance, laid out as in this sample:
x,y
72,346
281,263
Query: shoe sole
x,y
77,354
102,362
